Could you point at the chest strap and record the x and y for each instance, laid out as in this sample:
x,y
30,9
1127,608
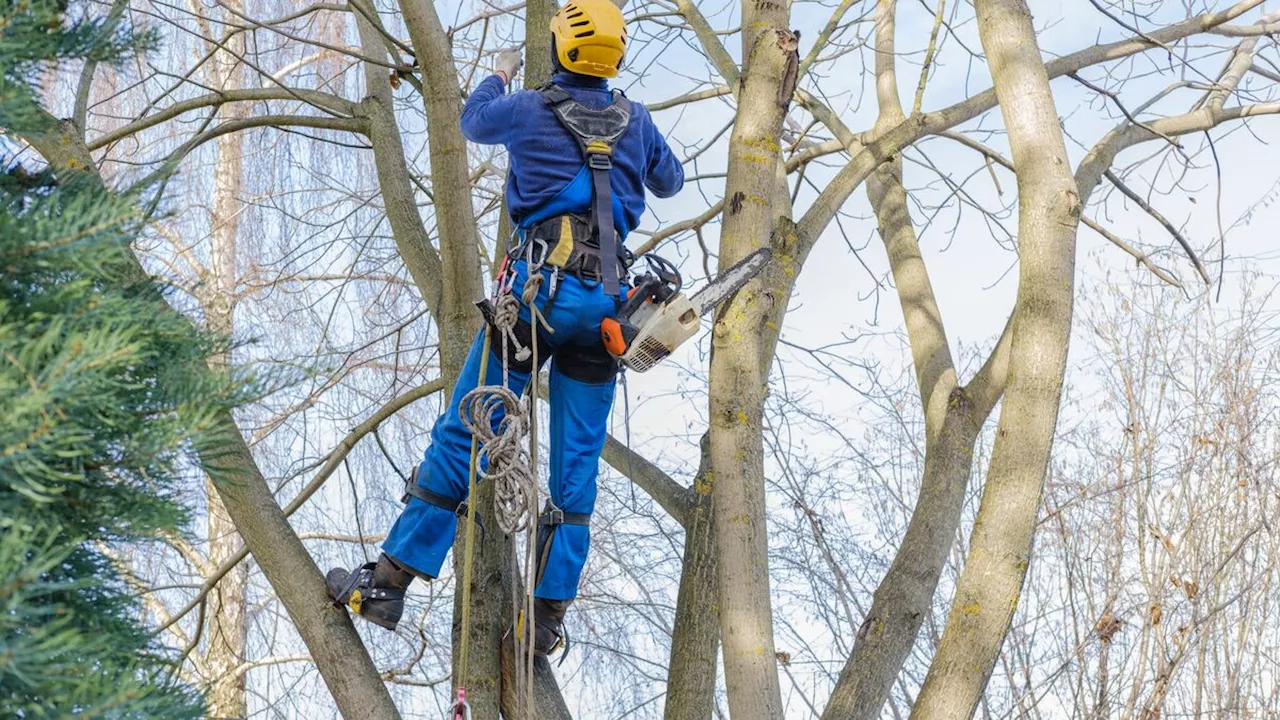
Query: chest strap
x,y
597,131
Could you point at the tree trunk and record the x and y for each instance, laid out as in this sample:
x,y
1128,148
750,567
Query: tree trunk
x,y
1049,210
457,318
695,640
953,420
227,629
738,377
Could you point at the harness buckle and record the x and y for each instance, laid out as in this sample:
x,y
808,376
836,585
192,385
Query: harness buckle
x,y
599,161
554,516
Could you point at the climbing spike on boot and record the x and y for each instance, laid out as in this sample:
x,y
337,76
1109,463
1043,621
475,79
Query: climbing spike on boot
x,y
374,591
548,625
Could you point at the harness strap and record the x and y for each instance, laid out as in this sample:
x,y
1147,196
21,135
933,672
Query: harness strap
x,y
458,507
596,130
600,160
552,516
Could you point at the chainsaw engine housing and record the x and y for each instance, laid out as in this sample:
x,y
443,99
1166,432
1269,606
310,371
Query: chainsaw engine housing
x,y
655,331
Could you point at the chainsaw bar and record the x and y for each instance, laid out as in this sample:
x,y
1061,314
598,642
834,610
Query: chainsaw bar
x,y
730,281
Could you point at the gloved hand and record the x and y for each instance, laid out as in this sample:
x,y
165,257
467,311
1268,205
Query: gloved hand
x,y
509,62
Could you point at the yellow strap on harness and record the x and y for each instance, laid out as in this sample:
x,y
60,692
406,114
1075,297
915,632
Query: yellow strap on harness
x,y
563,250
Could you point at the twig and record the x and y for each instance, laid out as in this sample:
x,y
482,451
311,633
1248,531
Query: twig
x,y
1186,245
928,58
690,224
1116,99
1222,233
1142,258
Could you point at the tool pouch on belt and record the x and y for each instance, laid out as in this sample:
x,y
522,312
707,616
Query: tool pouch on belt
x,y
567,242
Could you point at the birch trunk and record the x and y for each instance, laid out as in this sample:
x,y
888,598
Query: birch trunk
x,y
227,629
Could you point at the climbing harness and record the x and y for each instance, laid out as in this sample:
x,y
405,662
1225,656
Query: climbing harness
x,y
597,132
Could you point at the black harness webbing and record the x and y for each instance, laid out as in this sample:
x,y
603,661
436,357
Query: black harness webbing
x,y
555,516
596,132
457,507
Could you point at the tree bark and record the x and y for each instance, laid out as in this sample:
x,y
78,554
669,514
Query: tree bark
x,y
457,318
695,639
738,375
1049,210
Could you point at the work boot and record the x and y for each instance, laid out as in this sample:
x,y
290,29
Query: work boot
x,y
548,625
375,591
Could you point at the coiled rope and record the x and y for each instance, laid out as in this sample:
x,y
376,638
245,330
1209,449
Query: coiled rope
x,y
509,461
510,466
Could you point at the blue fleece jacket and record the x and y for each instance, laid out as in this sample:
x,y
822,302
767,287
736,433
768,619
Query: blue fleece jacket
x,y
546,162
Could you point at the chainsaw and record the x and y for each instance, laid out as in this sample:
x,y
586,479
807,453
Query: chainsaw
x,y
656,317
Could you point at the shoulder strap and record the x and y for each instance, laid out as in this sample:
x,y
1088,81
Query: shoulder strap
x,y
553,94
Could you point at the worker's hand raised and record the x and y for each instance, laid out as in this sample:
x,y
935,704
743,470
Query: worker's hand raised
x,y
509,62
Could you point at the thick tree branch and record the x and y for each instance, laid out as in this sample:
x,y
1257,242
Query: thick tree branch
x,y
711,45
324,101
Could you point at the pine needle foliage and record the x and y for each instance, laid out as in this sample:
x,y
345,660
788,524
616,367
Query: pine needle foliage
x,y
105,401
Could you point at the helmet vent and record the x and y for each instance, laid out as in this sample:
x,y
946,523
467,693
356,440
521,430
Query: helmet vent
x,y
574,15
585,33
584,23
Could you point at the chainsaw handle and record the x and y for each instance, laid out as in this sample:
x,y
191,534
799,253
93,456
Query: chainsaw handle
x,y
644,290
667,273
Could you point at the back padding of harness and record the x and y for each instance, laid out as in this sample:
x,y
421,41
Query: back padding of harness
x,y
597,132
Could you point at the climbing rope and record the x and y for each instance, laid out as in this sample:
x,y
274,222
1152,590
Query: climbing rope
x,y
460,709
512,467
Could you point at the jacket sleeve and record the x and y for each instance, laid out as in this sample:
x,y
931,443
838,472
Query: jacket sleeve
x,y
664,175
489,114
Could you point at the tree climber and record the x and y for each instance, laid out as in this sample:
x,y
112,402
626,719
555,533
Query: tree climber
x,y
581,156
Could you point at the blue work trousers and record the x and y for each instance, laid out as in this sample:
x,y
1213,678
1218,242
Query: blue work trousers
x,y
581,398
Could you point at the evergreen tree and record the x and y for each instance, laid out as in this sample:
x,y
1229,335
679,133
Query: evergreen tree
x,y
104,396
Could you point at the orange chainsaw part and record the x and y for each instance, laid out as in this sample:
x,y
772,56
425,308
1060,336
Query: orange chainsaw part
x,y
611,332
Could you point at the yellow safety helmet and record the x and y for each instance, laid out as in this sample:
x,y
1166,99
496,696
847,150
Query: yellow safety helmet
x,y
590,37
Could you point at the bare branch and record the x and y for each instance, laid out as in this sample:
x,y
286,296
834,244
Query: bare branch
x,y
1155,214
324,101
1142,258
332,461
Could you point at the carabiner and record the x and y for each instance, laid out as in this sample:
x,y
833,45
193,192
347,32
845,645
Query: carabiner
x,y
460,710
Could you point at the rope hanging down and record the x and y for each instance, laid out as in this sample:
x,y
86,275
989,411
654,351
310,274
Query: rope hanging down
x,y
510,450
509,462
